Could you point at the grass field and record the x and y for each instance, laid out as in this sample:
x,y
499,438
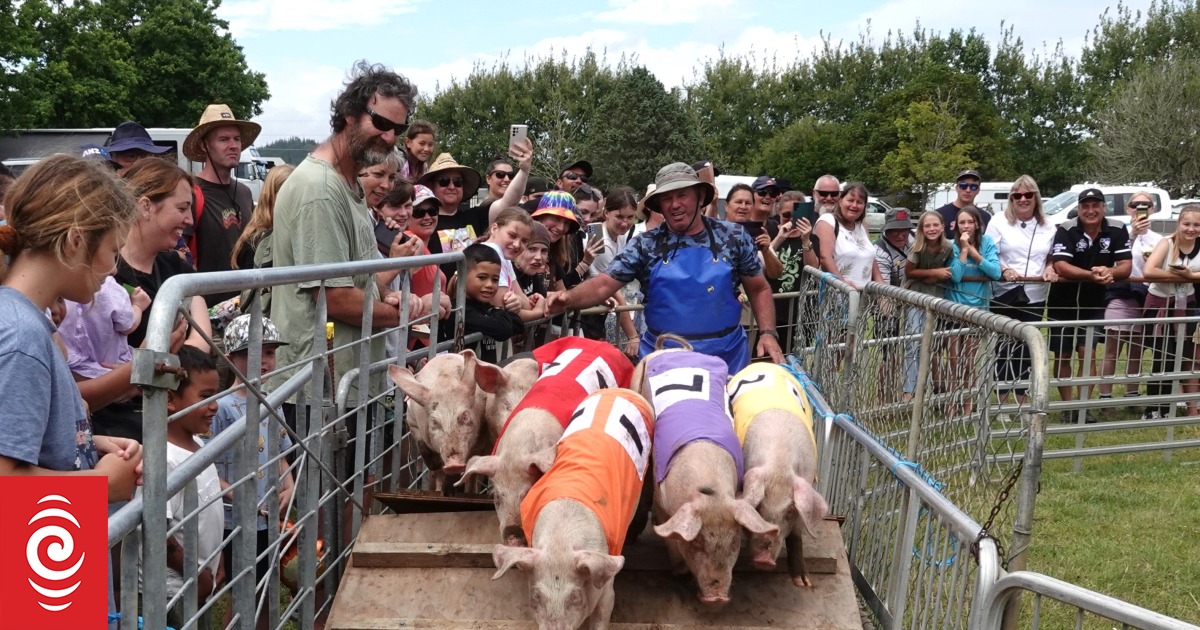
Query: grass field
x,y
1127,526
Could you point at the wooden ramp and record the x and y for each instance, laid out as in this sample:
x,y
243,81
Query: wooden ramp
x,y
434,571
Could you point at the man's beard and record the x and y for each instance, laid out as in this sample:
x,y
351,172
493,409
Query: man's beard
x,y
366,150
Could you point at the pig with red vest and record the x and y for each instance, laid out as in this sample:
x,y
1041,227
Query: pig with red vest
x,y
577,514
773,422
698,468
571,369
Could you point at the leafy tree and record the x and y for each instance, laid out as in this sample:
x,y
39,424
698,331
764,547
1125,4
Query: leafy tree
x,y
293,150
644,128
804,151
931,148
730,104
1150,129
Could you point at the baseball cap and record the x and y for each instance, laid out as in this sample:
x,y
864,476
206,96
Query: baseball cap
x,y
582,165
968,173
897,219
237,334
763,182
536,185
1091,193
422,193
703,164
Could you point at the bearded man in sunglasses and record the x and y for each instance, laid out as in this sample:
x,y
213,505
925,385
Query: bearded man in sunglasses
x,y
321,218
966,187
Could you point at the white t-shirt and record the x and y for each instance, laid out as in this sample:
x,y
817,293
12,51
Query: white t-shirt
x,y
1177,289
612,247
1024,250
853,252
1142,247
508,277
211,523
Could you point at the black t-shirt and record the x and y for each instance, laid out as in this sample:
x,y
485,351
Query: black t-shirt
x,y
949,214
227,208
1072,245
465,217
166,265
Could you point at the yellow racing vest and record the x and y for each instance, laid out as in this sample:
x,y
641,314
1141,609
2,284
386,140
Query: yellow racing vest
x,y
763,386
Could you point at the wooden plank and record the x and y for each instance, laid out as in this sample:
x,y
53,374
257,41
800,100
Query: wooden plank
x,y
374,598
466,540
419,502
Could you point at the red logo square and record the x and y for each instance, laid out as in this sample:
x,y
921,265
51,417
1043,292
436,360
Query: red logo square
x,y
54,550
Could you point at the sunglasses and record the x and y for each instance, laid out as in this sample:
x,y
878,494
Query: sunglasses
x,y
1141,205
1016,196
827,193
770,192
424,211
385,124
967,186
446,182
502,174
572,175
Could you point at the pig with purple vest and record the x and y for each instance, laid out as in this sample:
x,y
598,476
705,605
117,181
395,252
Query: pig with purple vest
x,y
698,469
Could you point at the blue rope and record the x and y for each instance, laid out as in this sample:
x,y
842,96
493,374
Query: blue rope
x,y
117,617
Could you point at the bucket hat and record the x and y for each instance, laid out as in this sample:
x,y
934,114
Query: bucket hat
x,y
676,176
421,194
898,219
218,115
560,204
444,164
129,136
237,334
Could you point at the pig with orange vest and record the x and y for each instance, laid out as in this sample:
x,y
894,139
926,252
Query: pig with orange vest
x,y
577,514
571,368
773,422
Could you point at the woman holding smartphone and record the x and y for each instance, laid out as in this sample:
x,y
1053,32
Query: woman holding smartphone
x,y
624,329
1172,267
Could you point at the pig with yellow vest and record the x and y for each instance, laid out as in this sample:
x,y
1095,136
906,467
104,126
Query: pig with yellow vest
x,y
773,422
576,516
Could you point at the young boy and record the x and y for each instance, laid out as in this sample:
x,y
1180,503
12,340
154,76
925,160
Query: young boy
x,y
200,381
482,281
232,408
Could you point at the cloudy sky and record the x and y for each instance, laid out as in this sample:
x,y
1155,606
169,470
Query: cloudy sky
x,y
305,47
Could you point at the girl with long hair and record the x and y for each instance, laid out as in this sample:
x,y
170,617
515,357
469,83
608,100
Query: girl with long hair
x,y
1172,268
419,143
974,257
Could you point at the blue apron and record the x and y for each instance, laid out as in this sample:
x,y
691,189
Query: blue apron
x,y
691,293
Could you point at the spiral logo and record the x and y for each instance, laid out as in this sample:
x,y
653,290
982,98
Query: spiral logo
x,y
54,544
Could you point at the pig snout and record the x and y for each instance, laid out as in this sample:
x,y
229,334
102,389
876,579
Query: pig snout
x,y
714,592
713,600
514,536
455,465
764,561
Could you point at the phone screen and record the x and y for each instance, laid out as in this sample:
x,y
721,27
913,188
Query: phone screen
x,y
804,210
753,228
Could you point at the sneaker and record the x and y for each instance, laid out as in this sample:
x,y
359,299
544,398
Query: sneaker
x,y
1152,414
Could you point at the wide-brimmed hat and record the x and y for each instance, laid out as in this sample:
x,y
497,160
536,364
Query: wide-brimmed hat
x,y
218,115
676,176
129,136
237,334
560,204
444,164
640,212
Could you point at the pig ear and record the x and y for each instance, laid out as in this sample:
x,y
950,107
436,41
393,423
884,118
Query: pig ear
x,y
540,462
600,567
683,525
809,504
506,557
490,378
469,365
747,517
485,465
754,486
404,379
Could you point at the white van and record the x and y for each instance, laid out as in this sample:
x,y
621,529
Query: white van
x,y
1061,208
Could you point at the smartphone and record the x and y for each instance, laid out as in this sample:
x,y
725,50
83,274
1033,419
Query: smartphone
x,y
384,237
804,210
1178,266
517,134
753,228
592,230
129,288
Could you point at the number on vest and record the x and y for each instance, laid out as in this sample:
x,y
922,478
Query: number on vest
x,y
623,423
763,383
677,385
595,376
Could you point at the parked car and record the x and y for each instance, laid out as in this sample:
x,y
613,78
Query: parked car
x,y
1063,207
876,213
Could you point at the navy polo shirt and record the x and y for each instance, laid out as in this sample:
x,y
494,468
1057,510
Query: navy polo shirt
x,y
1072,245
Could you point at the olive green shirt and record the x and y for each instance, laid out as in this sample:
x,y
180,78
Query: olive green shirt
x,y
320,220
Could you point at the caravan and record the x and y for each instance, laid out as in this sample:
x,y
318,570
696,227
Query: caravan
x,y
992,196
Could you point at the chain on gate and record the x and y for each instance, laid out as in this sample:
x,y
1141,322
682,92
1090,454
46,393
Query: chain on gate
x,y
986,530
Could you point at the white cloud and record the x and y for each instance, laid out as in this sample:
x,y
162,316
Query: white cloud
x,y
299,103
250,16
660,12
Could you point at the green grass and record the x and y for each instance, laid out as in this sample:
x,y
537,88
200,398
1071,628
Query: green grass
x,y
1127,526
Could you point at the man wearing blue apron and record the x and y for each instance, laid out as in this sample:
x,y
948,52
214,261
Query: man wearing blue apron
x,y
689,268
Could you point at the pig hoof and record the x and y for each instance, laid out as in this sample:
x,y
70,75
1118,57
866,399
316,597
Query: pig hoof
x,y
802,581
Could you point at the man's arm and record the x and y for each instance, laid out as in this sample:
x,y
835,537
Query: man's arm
x,y
588,293
345,304
762,303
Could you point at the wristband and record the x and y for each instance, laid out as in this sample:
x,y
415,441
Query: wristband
x,y
771,332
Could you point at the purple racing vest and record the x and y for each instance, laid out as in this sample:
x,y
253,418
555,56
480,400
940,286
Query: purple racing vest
x,y
687,390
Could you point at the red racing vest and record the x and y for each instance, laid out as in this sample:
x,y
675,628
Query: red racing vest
x,y
571,368
601,462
